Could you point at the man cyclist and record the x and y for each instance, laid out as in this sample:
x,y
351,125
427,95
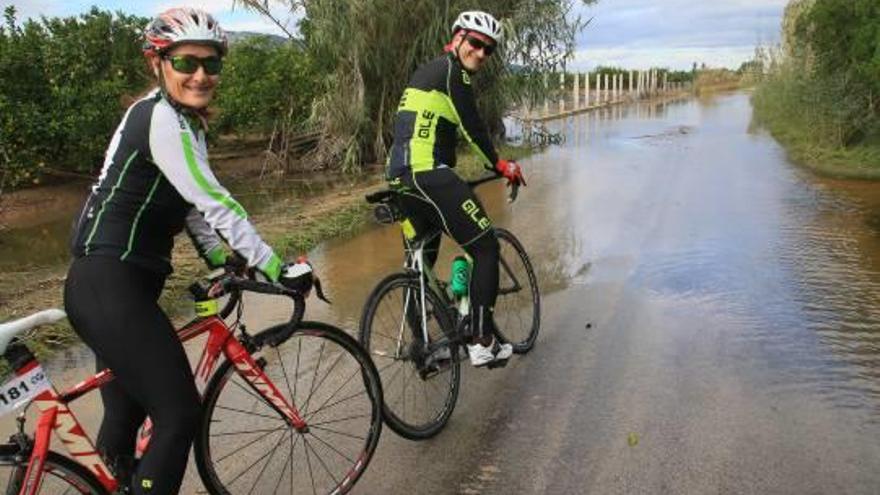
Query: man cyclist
x,y
437,103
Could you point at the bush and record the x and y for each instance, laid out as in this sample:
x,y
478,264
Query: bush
x,y
65,82
264,79
61,82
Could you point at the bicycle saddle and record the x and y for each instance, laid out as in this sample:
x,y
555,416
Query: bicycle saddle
x,y
9,330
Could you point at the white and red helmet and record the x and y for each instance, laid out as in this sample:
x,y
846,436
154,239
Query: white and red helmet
x,y
183,25
480,22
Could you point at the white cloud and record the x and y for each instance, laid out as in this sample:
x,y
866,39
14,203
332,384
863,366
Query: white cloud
x,y
675,33
673,58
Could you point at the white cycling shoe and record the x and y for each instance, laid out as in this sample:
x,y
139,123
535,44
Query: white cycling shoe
x,y
494,353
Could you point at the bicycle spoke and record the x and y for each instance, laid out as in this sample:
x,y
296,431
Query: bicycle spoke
x,y
394,376
268,461
326,376
249,391
330,430
240,449
284,470
247,432
321,460
249,413
286,378
346,382
309,463
314,379
334,449
295,381
292,445
331,421
340,401
239,475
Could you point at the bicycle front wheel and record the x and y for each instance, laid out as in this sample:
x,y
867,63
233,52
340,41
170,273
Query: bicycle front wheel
x,y
420,379
245,446
518,307
60,474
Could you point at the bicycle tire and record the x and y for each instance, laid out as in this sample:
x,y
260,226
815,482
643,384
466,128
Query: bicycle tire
x,y
410,425
223,476
512,320
61,475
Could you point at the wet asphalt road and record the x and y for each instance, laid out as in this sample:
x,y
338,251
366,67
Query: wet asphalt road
x,y
710,322
733,338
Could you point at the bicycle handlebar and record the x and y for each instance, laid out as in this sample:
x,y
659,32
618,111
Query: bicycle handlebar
x,y
385,194
233,284
514,188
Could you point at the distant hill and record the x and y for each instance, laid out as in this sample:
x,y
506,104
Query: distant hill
x,y
236,36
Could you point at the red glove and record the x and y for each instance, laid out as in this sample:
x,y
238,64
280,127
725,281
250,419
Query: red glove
x,y
511,171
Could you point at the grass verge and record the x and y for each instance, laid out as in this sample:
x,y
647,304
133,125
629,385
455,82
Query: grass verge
x,y
794,118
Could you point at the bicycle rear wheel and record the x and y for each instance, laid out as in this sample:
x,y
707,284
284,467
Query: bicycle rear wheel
x,y
60,474
420,388
518,308
245,446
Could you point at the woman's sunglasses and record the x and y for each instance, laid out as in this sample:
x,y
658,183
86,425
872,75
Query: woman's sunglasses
x,y
189,64
477,44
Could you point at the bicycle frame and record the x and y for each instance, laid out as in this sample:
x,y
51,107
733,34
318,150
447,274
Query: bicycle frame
x,y
56,416
415,262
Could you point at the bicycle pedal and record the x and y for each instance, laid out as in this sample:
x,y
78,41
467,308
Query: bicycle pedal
x,y
434,369
497,364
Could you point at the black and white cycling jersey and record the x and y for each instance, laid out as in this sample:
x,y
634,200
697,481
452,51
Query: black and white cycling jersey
x,y
155,182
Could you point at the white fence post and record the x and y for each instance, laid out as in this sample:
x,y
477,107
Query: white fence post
x,y
616,87
606,88
546,96
641,83
561,92
577,91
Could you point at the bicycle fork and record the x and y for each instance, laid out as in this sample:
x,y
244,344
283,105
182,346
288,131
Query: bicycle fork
x,y
253,373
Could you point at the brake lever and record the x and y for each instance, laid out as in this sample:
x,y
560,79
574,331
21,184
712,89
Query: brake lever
x,y
514,192
320,292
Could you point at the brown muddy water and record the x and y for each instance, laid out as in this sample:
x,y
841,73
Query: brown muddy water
x,y
733,297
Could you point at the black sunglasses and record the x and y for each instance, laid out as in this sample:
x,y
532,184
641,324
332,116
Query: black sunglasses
x,y
189,64
477,44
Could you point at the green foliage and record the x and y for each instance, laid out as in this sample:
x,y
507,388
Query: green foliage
x,y
842,38
821,97
61,83
65,84
262,80
366,50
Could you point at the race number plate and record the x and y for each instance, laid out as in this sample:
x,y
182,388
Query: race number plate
x,y
20,390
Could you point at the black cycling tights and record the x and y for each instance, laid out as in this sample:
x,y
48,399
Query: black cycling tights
x,y
441,200
113,307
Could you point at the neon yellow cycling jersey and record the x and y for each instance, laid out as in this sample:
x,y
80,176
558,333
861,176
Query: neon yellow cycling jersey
x,y
437,103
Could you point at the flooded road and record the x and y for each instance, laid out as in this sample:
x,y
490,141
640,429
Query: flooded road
x,y
710,321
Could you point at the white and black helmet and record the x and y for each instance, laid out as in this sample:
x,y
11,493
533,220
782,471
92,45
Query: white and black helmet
x,y
183,25
481,22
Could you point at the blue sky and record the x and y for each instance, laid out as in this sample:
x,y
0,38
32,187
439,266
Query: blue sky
x,y
627,33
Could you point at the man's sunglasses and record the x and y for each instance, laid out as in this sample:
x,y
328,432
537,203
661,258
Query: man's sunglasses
x,y
478,44
189,64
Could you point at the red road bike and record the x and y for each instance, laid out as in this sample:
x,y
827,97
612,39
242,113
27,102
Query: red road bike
x,y
295,408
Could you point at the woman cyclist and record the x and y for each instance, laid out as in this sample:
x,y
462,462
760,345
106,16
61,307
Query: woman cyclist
x,y
155,182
